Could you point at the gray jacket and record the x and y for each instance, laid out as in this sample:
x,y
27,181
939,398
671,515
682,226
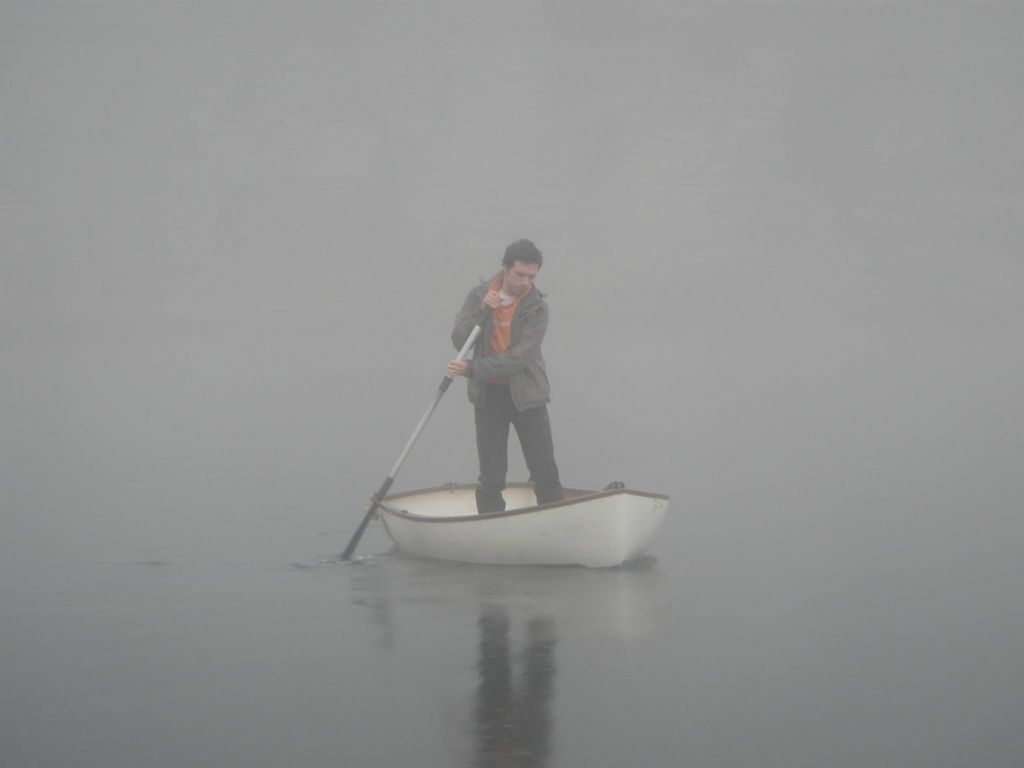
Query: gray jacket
x,y
523,365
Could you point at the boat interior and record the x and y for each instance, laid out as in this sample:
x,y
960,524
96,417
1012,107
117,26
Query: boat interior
x,y
455,500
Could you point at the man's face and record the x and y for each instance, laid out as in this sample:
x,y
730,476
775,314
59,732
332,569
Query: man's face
x,y
519,277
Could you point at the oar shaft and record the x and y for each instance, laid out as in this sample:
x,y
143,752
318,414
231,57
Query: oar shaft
x,y
441,389
386,485
380,494
470,341
415,435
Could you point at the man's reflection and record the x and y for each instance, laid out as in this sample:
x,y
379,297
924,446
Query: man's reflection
x,y
514,726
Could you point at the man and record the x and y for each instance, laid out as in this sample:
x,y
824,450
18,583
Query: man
x,y
507,382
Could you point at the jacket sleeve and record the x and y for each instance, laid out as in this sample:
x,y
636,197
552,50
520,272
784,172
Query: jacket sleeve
x,y
519,355
472,313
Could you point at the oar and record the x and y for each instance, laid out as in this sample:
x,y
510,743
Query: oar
x,y
386,485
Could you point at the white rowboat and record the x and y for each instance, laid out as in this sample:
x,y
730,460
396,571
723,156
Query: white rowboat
x,y
591,528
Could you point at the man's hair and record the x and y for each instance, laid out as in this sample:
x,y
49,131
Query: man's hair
x,y
524,252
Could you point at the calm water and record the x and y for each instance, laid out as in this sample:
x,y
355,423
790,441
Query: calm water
x,y
730,645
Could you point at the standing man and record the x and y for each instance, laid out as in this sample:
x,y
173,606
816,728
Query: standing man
x,y
507,382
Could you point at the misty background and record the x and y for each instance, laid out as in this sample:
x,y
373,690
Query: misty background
x,y
782,254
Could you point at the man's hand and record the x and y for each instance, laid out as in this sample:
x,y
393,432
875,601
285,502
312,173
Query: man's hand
x,y
492,300
458,368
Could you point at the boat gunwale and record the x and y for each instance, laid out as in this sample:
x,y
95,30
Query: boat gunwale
x,y
583,495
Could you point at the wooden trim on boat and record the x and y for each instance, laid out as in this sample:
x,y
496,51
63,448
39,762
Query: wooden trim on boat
x,y
573,496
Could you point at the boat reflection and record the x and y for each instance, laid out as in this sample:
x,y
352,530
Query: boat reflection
x,y
513,711
522,614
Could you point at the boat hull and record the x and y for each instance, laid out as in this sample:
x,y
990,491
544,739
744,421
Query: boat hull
x,y
593,529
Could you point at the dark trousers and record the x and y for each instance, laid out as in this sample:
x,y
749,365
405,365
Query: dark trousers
x,y
534,430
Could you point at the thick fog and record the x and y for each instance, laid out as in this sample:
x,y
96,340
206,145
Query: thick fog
x,y
782,243
782,248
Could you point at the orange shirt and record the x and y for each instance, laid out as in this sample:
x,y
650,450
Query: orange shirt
x,y
501,323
